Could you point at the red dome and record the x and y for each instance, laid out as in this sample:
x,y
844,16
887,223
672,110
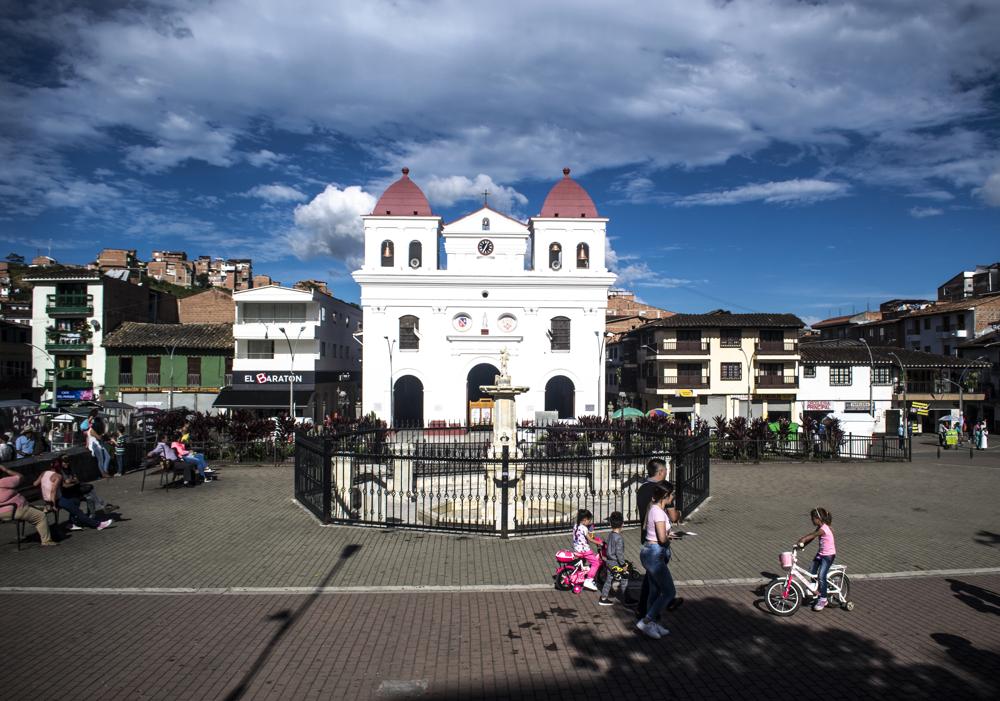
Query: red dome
x,y
567,198
403,199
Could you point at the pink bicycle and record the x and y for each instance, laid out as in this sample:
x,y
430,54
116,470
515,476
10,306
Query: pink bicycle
x,y
571,569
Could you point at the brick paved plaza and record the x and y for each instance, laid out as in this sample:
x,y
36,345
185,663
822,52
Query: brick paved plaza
x,y
231,590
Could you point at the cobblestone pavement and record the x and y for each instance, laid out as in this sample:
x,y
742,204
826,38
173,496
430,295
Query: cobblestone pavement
x,y
245,531
914,638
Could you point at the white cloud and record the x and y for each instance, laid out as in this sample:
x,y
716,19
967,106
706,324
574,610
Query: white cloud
x,y
331,224
937,195
924,212
683,83
990,191
784,192
264,158
181,138
276,192
446,191
80,194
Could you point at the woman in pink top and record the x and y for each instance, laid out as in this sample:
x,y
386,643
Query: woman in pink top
x,y
827,553
655,556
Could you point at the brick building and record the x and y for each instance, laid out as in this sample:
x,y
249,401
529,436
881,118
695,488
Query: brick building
x,y
172,267
213,306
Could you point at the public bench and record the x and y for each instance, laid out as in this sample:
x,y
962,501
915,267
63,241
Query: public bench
x,y
80,463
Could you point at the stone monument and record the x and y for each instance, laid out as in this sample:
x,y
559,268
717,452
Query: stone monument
x,y
504,433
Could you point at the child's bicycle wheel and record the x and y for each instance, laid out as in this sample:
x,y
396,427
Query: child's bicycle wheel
x,y
782,603
842,582
562,578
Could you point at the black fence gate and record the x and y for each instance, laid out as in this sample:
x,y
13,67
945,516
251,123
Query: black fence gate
x,y
456,479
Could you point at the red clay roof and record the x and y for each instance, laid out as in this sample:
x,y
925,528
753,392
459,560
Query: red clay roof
x,y
403,199
567,198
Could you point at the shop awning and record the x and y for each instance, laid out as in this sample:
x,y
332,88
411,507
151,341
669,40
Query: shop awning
x,y
230,398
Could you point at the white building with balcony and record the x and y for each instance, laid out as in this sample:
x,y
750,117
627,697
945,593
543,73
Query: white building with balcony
x,y
862,387
717,364
434,325
294,348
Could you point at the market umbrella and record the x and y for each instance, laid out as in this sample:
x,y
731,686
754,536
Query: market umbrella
x,y
627,413
18,404
657,412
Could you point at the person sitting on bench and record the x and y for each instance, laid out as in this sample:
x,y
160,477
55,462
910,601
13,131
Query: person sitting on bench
x,y
163,451
196,459
14,503
51,482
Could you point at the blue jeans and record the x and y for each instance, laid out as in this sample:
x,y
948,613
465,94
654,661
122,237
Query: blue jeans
x,y
198,460
72,506
654,558
821,564
102,456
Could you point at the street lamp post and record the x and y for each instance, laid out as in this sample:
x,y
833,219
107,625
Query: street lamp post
x,y
906,409
174,348
390,345
55,373
602,342
749,395
871,378
291,374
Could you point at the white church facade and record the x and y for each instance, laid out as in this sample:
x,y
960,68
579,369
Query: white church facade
x,y
440,301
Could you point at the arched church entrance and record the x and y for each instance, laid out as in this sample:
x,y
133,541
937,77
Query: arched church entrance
x,y
408,402
479,405
560,396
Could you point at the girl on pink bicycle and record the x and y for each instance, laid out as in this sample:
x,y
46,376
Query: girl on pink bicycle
x,y
582,538
827,553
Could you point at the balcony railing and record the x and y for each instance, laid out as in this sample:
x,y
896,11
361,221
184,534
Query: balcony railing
x,y
685,347
69,345
82,304
70,378
194,379
777,347
125,379
777,381
152,378
685,381
936,387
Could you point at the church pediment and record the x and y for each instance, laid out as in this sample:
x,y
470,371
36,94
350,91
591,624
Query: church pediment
x,y
483,222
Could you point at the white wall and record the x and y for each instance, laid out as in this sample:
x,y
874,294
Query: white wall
x,y
819,389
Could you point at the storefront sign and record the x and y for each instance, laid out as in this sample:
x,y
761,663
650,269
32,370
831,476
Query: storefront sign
x,y
858,407
303,380
686,392
80,395
819,406
919,405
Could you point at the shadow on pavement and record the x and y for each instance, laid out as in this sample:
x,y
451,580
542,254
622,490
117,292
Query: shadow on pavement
x,y
288,619
987,538
982,600
720,649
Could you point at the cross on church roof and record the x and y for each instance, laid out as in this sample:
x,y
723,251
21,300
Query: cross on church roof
x,y
486,195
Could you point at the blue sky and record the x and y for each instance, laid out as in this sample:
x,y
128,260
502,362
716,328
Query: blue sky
x,y
763,155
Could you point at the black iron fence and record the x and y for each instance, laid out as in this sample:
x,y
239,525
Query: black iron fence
x,y
804,448
458,479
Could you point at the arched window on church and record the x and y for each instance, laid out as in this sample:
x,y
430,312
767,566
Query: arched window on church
x,y
559,333
555,256
416,255
486,223
388,254
409,333
582,255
